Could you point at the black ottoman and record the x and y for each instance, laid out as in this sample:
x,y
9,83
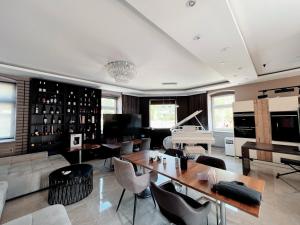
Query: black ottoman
x,y
70,184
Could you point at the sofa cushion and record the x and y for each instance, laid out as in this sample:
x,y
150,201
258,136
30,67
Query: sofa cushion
x,y
3,189
51,215
28,173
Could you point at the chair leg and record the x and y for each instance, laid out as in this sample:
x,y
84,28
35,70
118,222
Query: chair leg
x,y
153,198
120,199
134,208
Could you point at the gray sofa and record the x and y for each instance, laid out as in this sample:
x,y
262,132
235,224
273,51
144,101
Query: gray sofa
x,y
28,173
51,215
3,190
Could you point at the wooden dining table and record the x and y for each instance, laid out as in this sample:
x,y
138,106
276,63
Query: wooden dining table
x,y
190,179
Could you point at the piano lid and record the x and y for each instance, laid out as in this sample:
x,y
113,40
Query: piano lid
x,y
193,115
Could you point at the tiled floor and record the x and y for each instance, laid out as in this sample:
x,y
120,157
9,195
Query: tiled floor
x,y
280,206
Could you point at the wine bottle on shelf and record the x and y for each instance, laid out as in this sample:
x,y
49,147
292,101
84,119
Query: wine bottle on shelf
x,y
45,130
40,87
69,100
47,101
36,111
59,120
57,89
74,100
54,99
44,87
84,135
82,119
43,99
45,120
93,136
44,109
51,129
73,111
52,119
57,110
68,110
51,111
93,119
51,99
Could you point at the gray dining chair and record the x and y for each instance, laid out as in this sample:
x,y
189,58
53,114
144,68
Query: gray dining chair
x,y
127,178
216,163
178,208
145,144
126,148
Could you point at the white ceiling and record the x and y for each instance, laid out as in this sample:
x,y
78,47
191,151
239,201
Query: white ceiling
x,y
73,40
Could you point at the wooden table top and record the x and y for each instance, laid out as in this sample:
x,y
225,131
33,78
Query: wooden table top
x,y
84,147
286,149
190,179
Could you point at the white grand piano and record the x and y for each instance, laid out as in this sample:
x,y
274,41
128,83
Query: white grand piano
x,y
191,135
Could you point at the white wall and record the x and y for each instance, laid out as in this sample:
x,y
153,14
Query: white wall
x,y
219,138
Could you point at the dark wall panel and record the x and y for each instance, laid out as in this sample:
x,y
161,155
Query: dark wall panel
x,y
130,104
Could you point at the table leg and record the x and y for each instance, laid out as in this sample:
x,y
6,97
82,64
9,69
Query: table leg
x,y
223,213
246,161
80,157
209,149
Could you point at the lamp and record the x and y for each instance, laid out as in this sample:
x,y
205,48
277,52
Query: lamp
x,y
122,71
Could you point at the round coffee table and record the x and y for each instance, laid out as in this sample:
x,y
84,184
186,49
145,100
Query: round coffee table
x,y
70,184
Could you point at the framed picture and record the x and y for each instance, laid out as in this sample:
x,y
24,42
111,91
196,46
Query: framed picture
x,y
76,140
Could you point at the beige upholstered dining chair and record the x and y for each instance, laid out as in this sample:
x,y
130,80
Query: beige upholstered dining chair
x,y
128,179
126,147
145,144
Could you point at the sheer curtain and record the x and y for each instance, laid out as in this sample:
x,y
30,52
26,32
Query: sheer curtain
x,y
7,110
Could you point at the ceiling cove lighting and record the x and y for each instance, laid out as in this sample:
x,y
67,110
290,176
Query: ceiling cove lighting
x,y
122,71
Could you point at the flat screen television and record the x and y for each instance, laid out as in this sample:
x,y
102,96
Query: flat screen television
x,y
121,125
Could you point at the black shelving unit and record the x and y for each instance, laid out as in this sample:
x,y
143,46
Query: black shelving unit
x,y
58,110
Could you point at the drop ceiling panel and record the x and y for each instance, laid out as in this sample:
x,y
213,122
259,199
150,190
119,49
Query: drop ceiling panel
x,y
272,32
220,46
77,38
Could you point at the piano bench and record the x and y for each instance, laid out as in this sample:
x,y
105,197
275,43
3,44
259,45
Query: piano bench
x,y
291,163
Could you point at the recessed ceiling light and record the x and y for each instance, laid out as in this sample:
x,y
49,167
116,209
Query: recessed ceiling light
x,y
224,49
240,68
196,37
191,3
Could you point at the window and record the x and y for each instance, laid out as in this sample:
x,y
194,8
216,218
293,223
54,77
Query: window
x,y
162,113
108,106
222,113
7,110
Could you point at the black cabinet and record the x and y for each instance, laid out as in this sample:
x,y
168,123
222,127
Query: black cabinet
x,y
59,109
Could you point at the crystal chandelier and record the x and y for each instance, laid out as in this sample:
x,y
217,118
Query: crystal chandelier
x,y
122,71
